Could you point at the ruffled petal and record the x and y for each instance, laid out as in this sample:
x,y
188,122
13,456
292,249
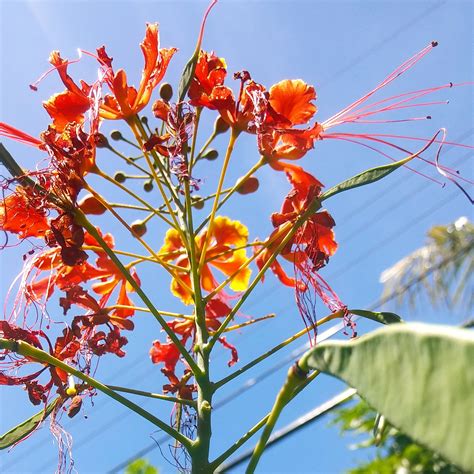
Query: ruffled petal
x,y
293,100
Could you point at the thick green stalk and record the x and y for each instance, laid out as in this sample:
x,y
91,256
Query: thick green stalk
x,y
27,350
295,378
226,454
201,446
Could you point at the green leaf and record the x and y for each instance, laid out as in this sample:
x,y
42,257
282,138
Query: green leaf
x,y
24,429
419,376
187,76
140,466
382,317
366,177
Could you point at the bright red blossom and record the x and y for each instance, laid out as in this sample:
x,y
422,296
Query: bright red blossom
x,y
210,72
19,215
126,101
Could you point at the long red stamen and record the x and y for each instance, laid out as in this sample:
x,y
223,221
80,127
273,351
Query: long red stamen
x,y
372,137
19,136
408,64
34,85
407,98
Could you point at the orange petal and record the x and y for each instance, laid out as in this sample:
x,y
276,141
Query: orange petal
x,y
18,216
293,100
228,232
180,291
66,107
121,93
172,242
231,265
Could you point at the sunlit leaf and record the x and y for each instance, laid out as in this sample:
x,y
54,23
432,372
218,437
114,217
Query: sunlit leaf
x,y
140,466
366,177
24,429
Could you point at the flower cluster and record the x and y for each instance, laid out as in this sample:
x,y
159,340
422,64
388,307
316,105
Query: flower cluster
x,y
74,265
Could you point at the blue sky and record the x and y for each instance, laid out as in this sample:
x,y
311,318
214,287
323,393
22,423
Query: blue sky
x,y
344,49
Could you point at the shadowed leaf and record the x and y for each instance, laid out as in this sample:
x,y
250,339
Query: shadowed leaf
x,y
419,376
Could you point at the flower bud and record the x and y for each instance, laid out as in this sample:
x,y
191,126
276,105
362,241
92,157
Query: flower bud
x,y
75,406
120,177
116,135
90,205
220,126
101,141
249,186
197,202
138,228
166,92
148,185
210,155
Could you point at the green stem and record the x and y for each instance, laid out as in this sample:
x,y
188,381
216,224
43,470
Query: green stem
x,y
276,348
27,350
201,446
158,396
230,147
226,454
295,378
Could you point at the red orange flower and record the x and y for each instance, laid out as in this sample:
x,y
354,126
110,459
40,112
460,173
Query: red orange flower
x,y
21,215
71,104
126,101
210,72
313,241
290,103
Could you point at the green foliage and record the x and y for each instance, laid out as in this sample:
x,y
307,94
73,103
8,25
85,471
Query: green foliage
x,y
448,257
24,429
418,376
140,466
366,177
382,317
396,452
